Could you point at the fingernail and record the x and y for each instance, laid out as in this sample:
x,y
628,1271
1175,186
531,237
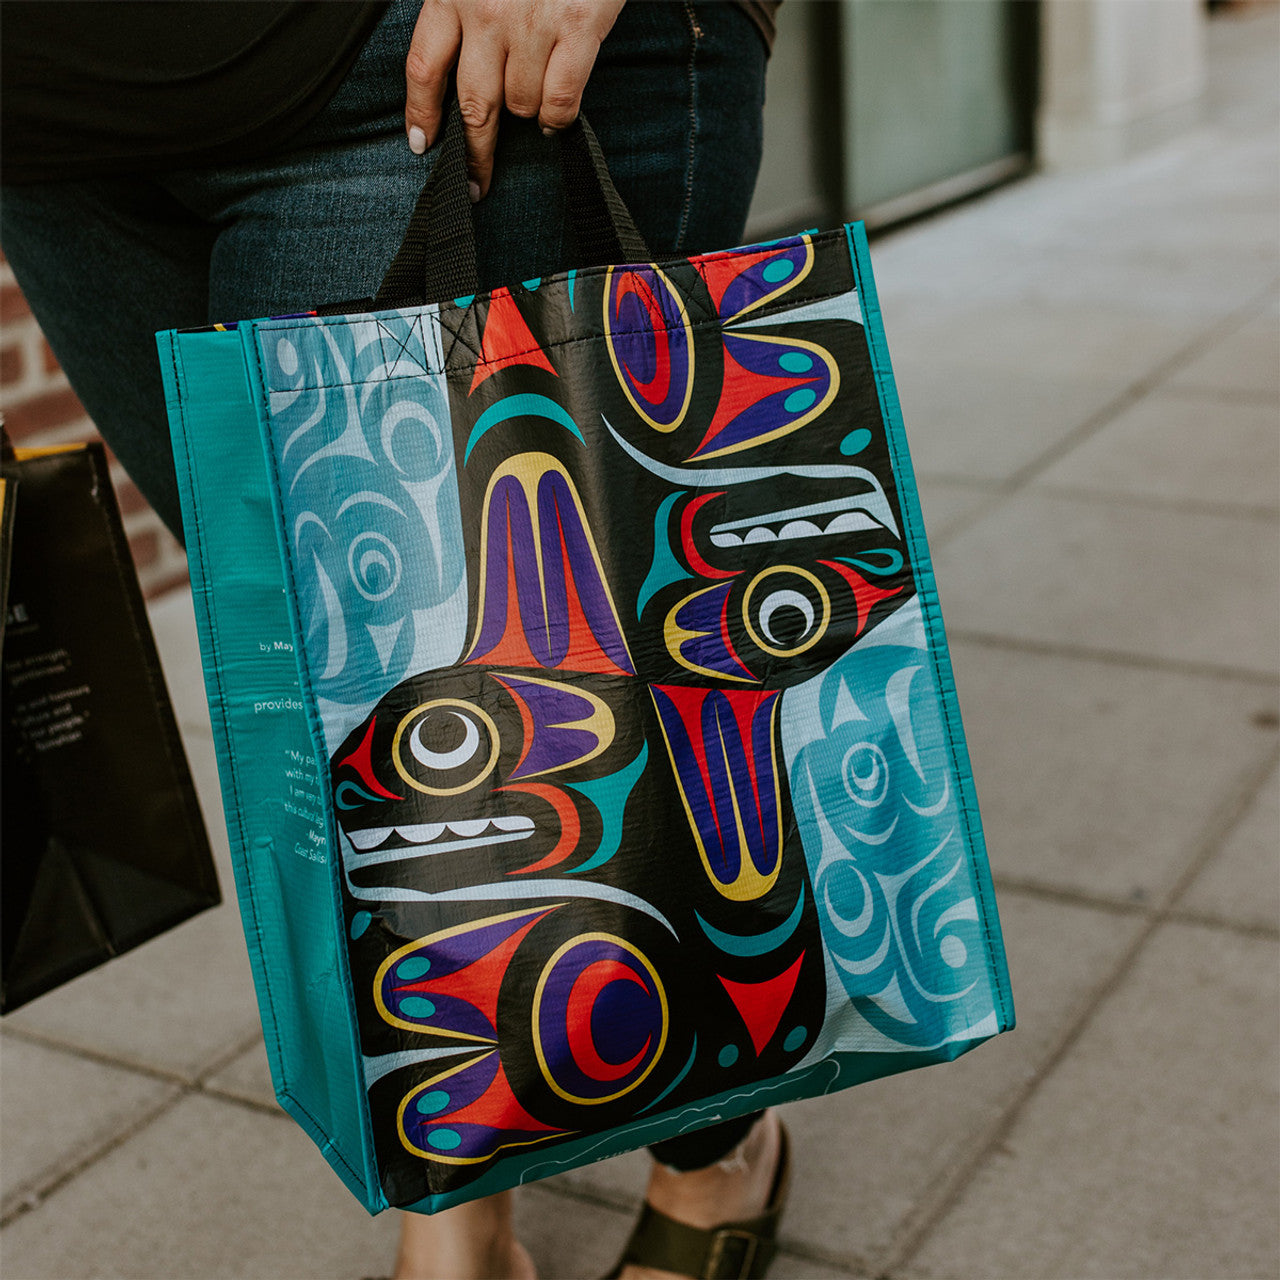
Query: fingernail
x,y
474,188
548,131
417,141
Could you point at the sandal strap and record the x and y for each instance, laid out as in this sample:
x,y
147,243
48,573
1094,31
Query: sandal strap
x,y
734,1251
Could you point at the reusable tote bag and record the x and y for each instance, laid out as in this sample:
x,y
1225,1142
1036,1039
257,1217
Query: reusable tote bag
x,y
587,734
102,845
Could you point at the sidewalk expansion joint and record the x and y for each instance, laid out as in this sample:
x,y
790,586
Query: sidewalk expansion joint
x,y
1222,924
1142,386
942,1195
47,1182
1118,657
47,1041
256,1105
1006,884
34,1193
1154,502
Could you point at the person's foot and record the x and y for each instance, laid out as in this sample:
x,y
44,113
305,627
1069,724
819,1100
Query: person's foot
x,y
474,1241
735,1188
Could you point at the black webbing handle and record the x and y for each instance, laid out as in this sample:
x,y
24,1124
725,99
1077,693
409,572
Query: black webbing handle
x,y
601,221
437,258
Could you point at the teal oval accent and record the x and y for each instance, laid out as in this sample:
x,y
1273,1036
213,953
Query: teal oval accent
x,y
855,442
444,1139
531,285
795,1038
360,922
412,968
464,302
779,269
417,1007
431,1104
799,401
795,362
728,1055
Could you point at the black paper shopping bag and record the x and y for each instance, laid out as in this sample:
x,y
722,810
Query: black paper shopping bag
x,y
103,842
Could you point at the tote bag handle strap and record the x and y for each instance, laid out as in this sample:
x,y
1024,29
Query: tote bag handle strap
x,y
437,258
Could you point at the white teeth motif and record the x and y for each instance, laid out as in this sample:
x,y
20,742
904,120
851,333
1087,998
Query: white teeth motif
x,y
852,522
369,837
799,529
426,833
421,833
513,822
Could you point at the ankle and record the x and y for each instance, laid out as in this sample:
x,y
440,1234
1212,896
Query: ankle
x,y
474,1241
736,1186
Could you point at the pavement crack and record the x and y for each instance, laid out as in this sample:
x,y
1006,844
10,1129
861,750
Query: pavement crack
x,y
31,1195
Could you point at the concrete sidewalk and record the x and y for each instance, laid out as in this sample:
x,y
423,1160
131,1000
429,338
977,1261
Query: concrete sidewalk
x,y
1090,371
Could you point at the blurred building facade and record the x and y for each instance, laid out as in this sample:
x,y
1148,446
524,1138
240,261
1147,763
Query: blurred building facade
x,y
885,109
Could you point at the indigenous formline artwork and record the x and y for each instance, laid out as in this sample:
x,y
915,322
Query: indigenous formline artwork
x,y
633,702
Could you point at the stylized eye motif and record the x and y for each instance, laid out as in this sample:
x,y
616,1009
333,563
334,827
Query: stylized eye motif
x,y
783,600
374,565
450,745
786,610
864,771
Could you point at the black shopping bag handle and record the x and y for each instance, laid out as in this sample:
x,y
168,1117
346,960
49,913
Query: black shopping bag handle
x,y
437,258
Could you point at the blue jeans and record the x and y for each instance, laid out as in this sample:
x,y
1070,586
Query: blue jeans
x,y
676,100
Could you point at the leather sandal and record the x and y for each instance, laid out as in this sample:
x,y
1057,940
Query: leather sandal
x,y
732,1251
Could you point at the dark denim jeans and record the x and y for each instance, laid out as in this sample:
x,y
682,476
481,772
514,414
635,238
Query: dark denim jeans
x,y
676,100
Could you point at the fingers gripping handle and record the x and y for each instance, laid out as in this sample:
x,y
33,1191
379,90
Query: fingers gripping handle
x,y
437,258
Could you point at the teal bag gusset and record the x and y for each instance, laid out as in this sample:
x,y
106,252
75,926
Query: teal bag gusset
x,y
588,741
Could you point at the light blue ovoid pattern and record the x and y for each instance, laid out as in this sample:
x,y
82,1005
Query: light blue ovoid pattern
x,y
358,423
872,779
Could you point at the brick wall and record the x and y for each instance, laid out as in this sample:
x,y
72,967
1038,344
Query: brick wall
x,y
41,409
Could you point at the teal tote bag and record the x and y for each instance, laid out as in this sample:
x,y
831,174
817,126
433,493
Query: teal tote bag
x,y
589,747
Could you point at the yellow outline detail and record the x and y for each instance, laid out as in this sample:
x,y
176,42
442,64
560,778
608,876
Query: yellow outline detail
x,y
440,1155
675,635
399,954
686,328
777,293
823,354
529,469
537,1005
813,639
749,884
600,715
445,791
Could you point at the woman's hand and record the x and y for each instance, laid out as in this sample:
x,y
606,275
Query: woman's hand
x,y
533,56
